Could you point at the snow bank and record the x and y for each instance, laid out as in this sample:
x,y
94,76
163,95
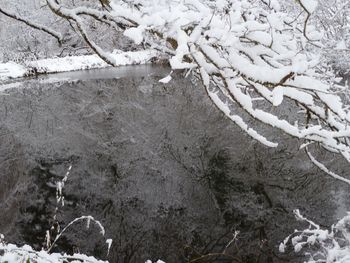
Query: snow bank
x,y
13,254
12,70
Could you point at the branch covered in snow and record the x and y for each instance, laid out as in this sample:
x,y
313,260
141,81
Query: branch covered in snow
x,y
332,246
323,168
244,51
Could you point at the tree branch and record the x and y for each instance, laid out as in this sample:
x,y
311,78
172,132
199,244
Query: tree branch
x,y
34,25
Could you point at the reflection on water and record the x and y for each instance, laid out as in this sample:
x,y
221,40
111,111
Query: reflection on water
x,y
165,172
92,74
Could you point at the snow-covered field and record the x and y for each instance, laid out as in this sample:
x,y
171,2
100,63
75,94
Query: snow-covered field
x,y
11,70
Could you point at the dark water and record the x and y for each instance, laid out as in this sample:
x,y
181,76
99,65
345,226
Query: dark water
x,y
168,176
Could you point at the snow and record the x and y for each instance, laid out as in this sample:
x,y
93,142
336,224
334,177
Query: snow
x,y
109,243
89,62
321,245
273,4
239,121
310,5
12,253
15,254
12,70
277,94
166,79
135,33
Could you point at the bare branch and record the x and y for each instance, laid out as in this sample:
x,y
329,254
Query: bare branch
x,y
34,25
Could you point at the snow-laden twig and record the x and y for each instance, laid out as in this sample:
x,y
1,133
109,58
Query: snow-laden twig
x,y
88,219
243,53
321,245
323,168
60,200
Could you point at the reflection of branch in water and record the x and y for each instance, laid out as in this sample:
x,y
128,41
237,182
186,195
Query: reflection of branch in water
x,y
129,239
204,257
176,155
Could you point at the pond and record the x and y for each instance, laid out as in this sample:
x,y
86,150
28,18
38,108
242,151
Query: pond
x,y
167,174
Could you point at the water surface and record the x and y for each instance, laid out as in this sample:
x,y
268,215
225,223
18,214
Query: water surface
x,y
166,173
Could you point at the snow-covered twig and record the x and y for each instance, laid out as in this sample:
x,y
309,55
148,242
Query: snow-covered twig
x,y
88,219
332,246
323,168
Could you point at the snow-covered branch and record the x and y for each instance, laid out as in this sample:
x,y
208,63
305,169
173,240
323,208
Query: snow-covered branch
x,y
332,245
73,15
244,51
323,168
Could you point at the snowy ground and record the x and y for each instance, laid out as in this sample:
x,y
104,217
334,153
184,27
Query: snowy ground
x,y
12,254
11,70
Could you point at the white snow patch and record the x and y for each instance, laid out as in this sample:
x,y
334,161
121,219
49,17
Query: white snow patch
x,y
11,70
135,33
166,80
90,62
53,65
277,95
14,254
